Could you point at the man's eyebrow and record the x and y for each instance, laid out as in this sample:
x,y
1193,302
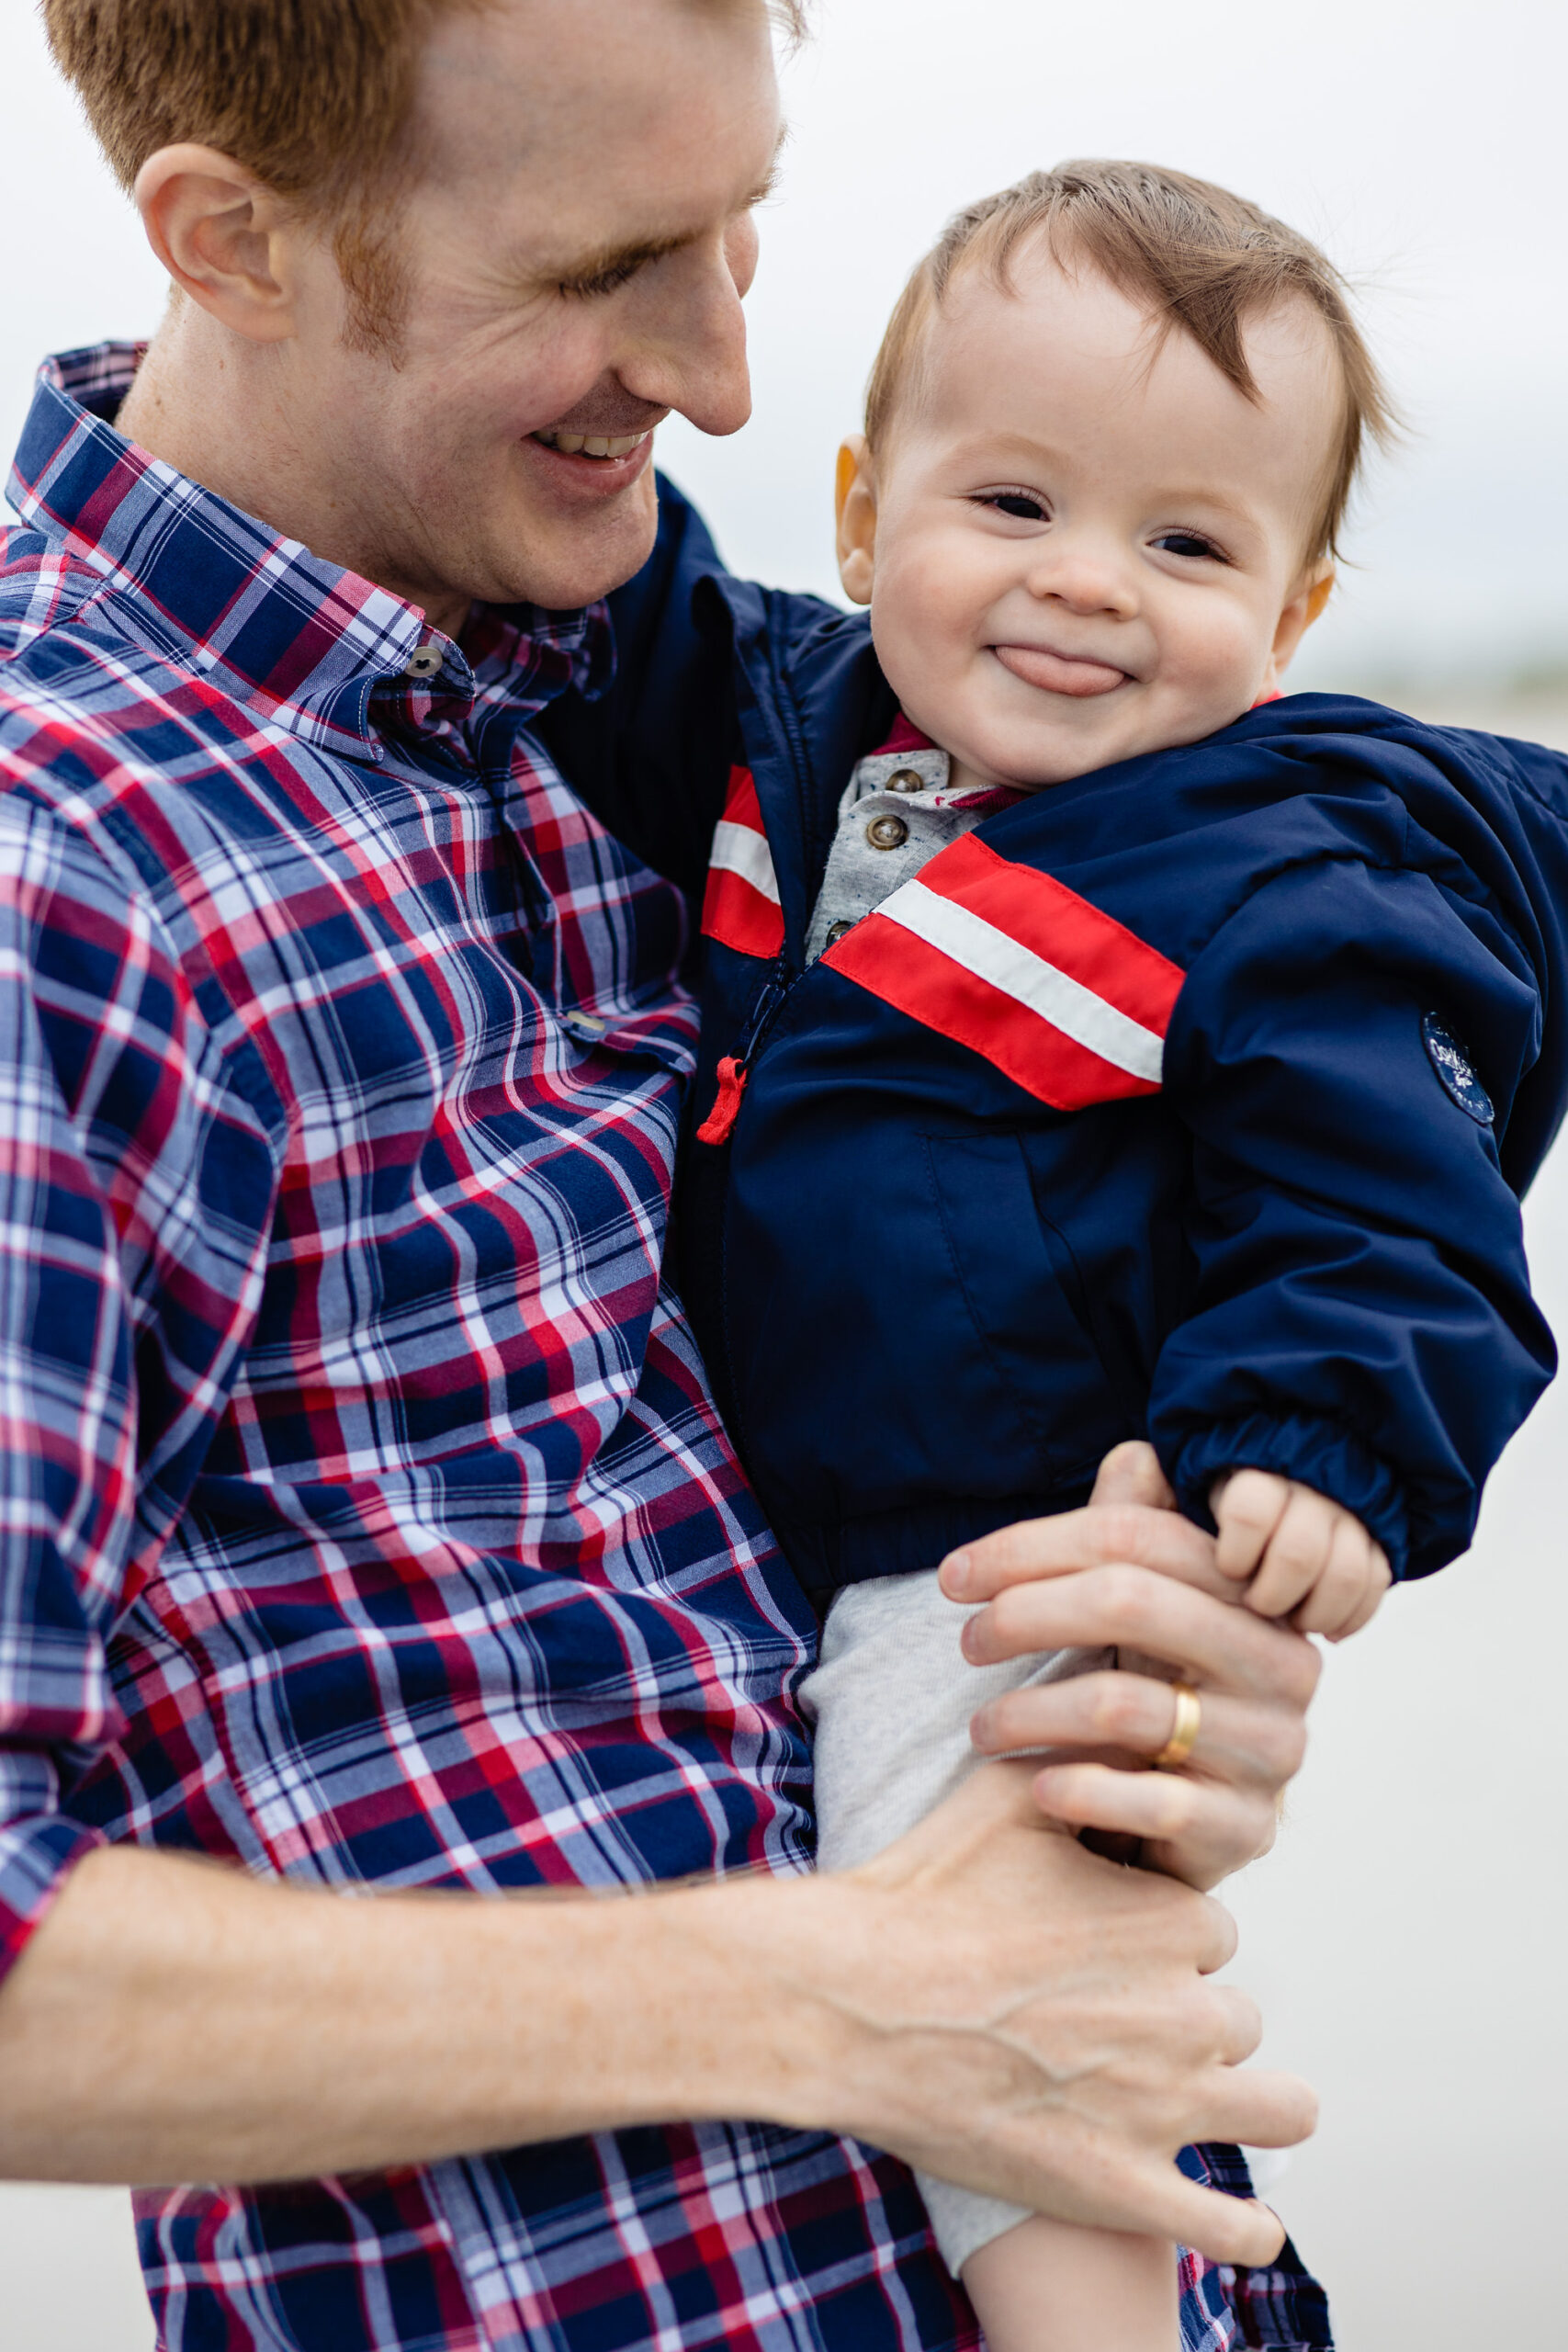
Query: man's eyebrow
x,y
617,261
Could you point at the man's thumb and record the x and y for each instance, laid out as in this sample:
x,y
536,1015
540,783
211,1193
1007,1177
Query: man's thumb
x,y
1131,1473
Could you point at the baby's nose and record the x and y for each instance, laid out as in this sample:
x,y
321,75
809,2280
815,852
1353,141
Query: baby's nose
x,y
1085,579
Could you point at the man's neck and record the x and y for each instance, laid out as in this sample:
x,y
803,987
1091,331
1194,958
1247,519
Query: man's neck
x,y
226,414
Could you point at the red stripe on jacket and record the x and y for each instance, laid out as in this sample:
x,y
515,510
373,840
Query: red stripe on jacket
x,y
1009,961
740,905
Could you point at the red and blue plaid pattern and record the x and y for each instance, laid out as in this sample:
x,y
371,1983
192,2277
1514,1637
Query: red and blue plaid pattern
x,y
366,1518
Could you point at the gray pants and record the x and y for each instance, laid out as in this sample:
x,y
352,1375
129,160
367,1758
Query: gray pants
x,y
891,1699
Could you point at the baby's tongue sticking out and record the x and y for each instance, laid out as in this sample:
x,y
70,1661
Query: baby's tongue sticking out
x,y
1060,674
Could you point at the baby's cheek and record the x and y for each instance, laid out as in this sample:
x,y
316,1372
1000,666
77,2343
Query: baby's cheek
x,y
1215,673
918,626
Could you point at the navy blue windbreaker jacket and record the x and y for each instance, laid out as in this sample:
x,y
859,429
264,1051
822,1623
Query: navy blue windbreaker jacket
x,y
948,1258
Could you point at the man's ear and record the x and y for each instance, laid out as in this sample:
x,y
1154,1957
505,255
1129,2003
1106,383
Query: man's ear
x,y
855,504
223,237
1312,593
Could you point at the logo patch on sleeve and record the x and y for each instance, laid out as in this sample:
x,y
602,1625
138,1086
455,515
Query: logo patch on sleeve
x,y
1455,1073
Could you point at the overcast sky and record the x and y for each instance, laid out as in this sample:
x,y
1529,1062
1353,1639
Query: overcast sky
x,y
1423,146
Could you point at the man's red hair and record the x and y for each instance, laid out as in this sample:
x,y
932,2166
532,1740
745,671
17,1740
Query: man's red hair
x,y
313,97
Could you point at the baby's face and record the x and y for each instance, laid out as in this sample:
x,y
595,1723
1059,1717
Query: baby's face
x,y
1079,545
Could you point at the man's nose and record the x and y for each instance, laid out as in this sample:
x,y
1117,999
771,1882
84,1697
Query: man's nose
x,y
1085,571
690,352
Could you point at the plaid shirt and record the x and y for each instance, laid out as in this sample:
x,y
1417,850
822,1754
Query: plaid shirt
x,y
367,1516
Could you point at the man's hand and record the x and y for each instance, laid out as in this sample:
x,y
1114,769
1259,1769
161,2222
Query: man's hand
x,y
985,1997
1006,2009
1128,1572
1299,1555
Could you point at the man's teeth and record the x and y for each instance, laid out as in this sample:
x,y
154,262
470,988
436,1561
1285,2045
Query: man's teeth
x,y
593,445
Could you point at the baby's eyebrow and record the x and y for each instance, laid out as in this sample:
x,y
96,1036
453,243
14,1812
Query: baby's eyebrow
x,y
1209,502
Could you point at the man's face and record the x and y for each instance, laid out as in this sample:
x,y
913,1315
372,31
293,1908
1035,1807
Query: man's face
x,y
576,250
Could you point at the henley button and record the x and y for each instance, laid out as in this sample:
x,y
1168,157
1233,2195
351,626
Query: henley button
x,y
423,662
887,832
836,932
905,780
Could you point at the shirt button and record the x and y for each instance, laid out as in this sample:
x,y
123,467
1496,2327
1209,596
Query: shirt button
x,y
905,780
424,662
836,932
887,832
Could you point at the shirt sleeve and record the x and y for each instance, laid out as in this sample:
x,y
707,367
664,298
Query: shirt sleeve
x,y
136,1181
1345,1053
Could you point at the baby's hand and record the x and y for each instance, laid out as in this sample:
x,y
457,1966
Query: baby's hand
x,y
1308,1558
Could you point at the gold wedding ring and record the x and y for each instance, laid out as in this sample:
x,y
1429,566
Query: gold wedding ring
x,y
1183,1731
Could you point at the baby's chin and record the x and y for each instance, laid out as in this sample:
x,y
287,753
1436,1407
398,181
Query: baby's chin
x,y
1074,739
1034,758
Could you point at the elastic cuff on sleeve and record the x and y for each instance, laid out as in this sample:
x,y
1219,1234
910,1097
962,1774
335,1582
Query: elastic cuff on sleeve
x,y
1316,1453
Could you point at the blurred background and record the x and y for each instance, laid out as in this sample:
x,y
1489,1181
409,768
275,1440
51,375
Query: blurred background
x,y
1407,1938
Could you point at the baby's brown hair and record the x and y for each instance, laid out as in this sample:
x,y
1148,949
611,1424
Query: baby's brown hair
x,y
1203,259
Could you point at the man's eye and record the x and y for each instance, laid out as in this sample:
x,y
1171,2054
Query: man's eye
x,y
608,281
1017,503
1187,543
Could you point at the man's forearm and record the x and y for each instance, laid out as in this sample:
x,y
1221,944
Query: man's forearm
x,y
985,1999
174,2020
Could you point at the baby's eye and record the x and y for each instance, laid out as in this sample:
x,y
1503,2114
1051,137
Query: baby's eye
x,y
1187,544
1016,502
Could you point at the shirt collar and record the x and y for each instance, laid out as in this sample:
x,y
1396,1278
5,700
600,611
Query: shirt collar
x,y
302,643
911,762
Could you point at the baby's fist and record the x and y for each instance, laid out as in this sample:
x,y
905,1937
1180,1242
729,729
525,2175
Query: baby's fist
x,y
1301,1556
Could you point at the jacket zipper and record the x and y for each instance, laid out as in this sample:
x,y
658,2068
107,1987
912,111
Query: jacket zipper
x,y
735,1068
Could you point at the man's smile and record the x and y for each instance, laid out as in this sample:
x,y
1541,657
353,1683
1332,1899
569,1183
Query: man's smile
x,y
587,469
591,445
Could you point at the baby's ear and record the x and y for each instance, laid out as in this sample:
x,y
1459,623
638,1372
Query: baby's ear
x,y
1318,594
1312,591
855,504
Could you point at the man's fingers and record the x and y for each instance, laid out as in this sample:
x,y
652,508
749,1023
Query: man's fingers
x,y
1237,2028
1195,1830
1227,2229
1131,1473
1241,1739
1209,1639
1247,2235
1247,1506
1040,1549
1257,2108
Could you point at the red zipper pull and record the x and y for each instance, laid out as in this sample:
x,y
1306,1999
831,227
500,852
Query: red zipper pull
x,y
719,1125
